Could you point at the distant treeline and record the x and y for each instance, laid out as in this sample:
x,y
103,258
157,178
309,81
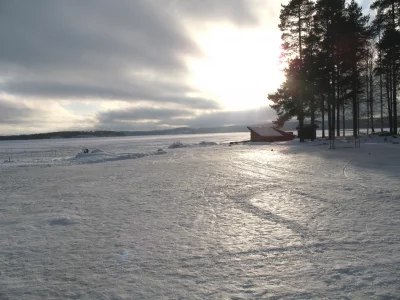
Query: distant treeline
x,y
62,135
102,133
182,130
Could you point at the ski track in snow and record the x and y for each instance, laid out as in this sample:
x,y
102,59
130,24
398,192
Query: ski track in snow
x,y
217,222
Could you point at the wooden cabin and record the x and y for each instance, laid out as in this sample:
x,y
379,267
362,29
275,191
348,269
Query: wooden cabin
x,y
309,131
269,134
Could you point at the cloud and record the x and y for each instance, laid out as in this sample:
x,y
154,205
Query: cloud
x,y
57,56
221,118
158,118
131,92
237,11
15,113
99,49
17,117
141,114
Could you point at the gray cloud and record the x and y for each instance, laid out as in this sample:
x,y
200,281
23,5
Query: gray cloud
x,y
141,118
141,113
15,113
152,118
237,11
161,93
58,33
221,118
19,117
121,49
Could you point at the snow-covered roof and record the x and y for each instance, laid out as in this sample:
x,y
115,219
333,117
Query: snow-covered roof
x,y
265,131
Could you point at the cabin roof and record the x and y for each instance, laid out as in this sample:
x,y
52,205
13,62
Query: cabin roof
x,y
265,131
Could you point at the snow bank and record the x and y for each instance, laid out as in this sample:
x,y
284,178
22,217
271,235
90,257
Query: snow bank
x,y
178,144
97,151
339,141
208,143
98,156
9,161
63,221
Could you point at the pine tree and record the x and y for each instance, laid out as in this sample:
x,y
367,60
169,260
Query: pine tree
x,y
378,70
325,48
286,99
312,74
387,20
329,27
358,37
295,20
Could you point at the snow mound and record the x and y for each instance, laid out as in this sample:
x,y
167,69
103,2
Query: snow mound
x,y
9,161
203,143
94,154
62,222
181,145
97,151
98,156
177,145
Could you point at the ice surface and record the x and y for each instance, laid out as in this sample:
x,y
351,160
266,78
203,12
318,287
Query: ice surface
x,y
179,144
97,156
240,222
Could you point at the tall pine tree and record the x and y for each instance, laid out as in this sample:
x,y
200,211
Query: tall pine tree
x,y
387,20
295,22
358,37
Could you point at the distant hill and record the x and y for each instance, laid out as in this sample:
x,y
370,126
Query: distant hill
x,y
289,126
102,133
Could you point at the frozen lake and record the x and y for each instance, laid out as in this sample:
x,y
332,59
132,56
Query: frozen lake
x,y
207,221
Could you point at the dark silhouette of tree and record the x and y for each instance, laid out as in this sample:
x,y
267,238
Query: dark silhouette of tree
x,y
295,20
286,99
329,20
386,23
358,38
339,65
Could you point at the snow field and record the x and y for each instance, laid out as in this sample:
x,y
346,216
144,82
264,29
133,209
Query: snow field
x,y
217,222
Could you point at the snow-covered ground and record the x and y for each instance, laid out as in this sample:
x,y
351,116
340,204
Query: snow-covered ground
x,y
205,221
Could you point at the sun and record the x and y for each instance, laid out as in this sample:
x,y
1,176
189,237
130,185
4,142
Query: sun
x,y
239,67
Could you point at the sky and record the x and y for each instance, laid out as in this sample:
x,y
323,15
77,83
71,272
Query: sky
x,y
137,64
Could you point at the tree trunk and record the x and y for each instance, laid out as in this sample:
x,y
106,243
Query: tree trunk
x,y
331,106
394,71
381,96
355,115
338,107
354,102
389,97
343,120
323,116
312,111
301,117
367,98
329,120
367,103
380,81
371,99
301,125
394,101
333,123
358,117
338,120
